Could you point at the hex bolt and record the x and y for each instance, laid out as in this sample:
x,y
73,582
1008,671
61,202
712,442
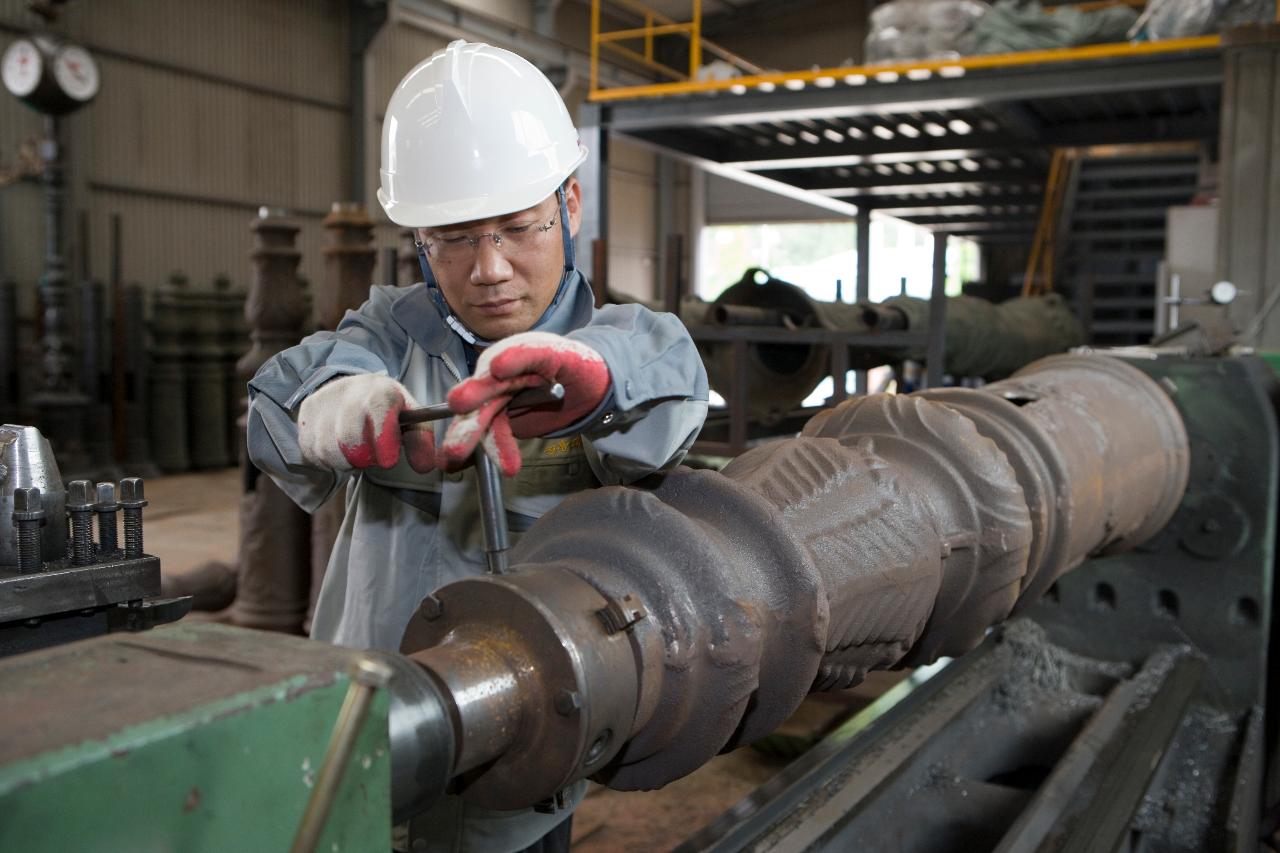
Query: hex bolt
x,y
28,518
106,509
132,501
431,608
80,505
567,701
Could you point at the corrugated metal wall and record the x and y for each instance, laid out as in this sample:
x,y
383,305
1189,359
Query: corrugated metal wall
x,y
209,110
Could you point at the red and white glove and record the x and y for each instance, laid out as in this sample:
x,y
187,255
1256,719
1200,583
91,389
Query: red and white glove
x,y
526,360
354,422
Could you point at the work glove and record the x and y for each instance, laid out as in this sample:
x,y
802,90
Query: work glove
x,y
354,422
526,360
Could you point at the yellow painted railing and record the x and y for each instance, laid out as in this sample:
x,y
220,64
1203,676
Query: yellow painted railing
x,y
656,25
685,84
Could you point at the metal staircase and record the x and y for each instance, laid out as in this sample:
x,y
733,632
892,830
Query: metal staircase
x,y
1113,236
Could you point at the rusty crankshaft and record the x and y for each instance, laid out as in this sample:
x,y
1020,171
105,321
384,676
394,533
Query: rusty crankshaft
x,y
643,631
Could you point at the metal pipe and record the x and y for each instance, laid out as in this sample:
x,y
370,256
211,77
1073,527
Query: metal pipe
x,y
493,521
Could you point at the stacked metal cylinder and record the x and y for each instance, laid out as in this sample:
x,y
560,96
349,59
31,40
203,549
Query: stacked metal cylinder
x,y
194,396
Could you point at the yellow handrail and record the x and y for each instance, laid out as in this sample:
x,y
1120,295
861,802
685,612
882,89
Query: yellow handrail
x,y
657,24
858,74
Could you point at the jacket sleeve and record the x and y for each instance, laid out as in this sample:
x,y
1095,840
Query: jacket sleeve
x,y
367,340
659,397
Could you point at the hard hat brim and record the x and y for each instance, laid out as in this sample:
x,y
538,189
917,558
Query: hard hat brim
x,y
454,211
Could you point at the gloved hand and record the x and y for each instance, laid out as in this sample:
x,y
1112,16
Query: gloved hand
x,y
354,422
526,360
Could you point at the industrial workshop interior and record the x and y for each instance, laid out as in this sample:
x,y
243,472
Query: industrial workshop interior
x,y
486,426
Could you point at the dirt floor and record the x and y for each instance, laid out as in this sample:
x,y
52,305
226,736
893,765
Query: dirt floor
x,y
193,518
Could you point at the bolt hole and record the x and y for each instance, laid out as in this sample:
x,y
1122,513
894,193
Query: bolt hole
x,y
598,747
1246,612
1051,595
1104,596
1020,398
1167,603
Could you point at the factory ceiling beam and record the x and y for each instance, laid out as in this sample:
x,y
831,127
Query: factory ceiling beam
x,y
934,205
787,148
961,180
833,205
937,93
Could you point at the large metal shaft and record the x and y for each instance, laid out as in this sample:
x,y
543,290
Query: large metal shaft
x,y
983,339
640,632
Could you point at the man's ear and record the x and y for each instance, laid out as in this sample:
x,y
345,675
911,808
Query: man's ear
x,y
573,201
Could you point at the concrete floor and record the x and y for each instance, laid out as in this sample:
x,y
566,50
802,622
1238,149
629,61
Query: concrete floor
x,y
193,518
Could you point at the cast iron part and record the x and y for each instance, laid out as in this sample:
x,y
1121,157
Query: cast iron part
x,y
892,531
80,508
28,518
132,500
106,509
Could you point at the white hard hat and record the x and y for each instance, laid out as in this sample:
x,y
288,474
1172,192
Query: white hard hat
x,y
472,132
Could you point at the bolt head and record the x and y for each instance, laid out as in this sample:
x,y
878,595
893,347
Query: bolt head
x,y
567,701
106,495
131,491
79,495
431,608
27,500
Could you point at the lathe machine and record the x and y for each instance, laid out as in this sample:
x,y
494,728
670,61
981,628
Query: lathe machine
x,y
1090,544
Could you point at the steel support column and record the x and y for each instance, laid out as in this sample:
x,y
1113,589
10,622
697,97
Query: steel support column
x,y
863,285
935,360
1249,224
594,177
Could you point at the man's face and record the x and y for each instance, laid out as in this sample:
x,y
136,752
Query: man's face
x,y
502,290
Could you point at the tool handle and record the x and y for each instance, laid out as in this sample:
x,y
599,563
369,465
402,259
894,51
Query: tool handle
x,y
527,399
493,513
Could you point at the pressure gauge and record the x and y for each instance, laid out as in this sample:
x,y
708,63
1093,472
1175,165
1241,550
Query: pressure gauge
x,y
22,67
76,73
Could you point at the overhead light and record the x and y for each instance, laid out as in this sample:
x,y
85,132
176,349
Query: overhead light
x,y
926,167
919,74
855,79
934,129
766,86
906,169
738,89
786,139
883,169
951,71
811,138
882,132
970,165
886,76
908,131
833,135
856,133
947,166
959,125
794,85
825,82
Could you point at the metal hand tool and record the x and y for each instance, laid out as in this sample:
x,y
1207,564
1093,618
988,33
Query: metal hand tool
x,y
528,399
493,512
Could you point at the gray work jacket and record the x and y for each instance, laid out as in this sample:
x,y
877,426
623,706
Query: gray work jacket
x,y
406,534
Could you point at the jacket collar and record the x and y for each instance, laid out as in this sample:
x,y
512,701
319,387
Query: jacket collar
x,y
417,315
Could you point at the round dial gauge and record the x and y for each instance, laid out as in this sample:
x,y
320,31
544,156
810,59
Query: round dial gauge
x,y
21,67
76,73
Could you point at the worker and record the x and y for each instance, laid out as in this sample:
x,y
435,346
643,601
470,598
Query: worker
x,y
478,155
